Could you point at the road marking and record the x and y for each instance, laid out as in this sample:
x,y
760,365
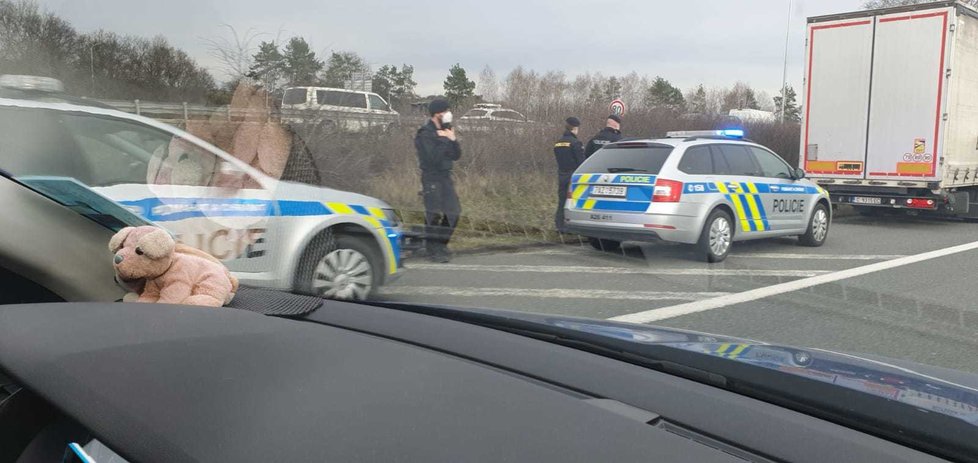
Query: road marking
x,y
616,270
818,256
765,255
781,288
559,293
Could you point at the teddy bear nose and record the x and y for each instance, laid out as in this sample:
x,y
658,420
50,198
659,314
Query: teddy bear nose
x,y
117,259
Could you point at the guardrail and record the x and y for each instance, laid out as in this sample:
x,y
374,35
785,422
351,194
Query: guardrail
x,y
183,112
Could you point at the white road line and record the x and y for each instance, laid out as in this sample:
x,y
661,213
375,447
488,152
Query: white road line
x,y
735,255
781,288
817,256
569,269
559,293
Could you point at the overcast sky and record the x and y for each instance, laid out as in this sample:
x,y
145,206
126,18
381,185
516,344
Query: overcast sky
x,y
714,42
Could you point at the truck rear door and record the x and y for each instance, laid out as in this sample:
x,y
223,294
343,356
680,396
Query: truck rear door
x,y
839,64
906,107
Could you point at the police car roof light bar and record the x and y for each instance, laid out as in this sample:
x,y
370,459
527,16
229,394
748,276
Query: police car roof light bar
x,y
726,133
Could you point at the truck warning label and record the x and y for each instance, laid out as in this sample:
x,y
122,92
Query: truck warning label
x,y
849,166
919,145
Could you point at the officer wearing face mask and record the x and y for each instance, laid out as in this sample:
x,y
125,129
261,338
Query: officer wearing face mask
x,y
438,149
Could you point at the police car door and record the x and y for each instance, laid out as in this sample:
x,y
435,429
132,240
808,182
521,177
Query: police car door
x,y
199,197
739,181
785,200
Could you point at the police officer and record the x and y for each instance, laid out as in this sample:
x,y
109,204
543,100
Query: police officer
x,y
569,152
438,149
610,134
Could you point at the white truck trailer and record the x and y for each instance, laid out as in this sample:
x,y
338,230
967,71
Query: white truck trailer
x,y
890,116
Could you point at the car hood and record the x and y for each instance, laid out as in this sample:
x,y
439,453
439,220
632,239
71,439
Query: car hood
x,y
937,389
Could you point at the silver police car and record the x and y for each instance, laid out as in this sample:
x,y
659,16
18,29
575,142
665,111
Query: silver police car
x,y
270,233
708,188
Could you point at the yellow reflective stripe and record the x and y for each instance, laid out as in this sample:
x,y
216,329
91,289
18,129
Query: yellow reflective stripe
x,y
734,353
340,208
589,204
377,212
755,213
723,348
741,215
392,266
722,187
751,187
579,191
585,178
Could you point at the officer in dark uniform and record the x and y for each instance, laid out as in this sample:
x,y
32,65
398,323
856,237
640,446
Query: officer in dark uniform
x,y
610,134
438,149
569,152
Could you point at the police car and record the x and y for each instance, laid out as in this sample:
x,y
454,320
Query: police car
x,y
270,233
708,188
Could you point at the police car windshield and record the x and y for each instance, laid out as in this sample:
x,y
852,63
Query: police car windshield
x,y
646,158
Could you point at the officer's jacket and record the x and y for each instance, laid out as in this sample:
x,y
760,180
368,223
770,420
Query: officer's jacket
x,y
605,136
435,154
569,152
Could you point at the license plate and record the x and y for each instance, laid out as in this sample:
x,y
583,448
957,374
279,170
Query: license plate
x,y
865,200
613,191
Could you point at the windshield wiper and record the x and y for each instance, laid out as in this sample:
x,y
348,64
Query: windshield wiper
x,y
615,170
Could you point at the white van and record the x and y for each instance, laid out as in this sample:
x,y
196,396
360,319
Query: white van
x,y
349,110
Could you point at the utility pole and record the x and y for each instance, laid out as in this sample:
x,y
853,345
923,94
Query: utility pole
x,y
784,71
92,63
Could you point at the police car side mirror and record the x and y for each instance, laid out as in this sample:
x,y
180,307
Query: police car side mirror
x,y
798,174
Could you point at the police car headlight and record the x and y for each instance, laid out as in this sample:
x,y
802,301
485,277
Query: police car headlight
x,y
392,217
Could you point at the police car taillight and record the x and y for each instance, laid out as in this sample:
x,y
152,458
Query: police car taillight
x,y
667,191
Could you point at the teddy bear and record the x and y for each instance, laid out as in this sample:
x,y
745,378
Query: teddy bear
x,y
149,261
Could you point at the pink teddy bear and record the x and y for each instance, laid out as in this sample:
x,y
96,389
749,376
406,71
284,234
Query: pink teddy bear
x,y
171,276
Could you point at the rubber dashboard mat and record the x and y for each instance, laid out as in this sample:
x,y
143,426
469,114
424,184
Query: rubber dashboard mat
x,y
274,303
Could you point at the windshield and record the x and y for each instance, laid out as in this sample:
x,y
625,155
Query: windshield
x,y
799,174
628,157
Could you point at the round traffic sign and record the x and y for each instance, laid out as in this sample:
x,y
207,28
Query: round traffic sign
x,y
617,107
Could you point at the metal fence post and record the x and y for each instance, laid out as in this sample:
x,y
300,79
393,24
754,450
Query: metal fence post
x,y
185,116
229,113
137,108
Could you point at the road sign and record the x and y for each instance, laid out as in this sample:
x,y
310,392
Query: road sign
x,y
617,107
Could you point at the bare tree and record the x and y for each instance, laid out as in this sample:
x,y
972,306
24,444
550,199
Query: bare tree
x,y
488,84
235,53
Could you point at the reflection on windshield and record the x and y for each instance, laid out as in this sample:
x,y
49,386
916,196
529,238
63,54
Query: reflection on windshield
x,y
725,185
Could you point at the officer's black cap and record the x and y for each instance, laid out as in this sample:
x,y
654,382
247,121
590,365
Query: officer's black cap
x,y
438,105
573,121
615,118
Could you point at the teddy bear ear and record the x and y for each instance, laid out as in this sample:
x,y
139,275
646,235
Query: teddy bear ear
x,y
115,243
156,244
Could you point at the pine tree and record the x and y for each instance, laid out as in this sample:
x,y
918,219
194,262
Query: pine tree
x,y
301,65
458,87
792,112
663,95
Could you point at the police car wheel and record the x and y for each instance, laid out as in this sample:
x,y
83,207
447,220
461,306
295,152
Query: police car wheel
x,y
818,228
604,245
716,237
345,268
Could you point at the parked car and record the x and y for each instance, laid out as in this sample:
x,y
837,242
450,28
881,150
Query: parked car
x,y
337,108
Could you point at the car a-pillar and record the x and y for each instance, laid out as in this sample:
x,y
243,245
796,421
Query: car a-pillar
x,y
343,261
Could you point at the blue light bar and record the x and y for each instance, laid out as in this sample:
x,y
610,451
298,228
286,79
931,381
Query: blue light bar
x,y
729,133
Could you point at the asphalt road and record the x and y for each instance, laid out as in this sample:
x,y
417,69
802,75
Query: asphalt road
x,y
921,310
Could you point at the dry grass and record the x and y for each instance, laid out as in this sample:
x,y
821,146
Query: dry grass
x,y
506,179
